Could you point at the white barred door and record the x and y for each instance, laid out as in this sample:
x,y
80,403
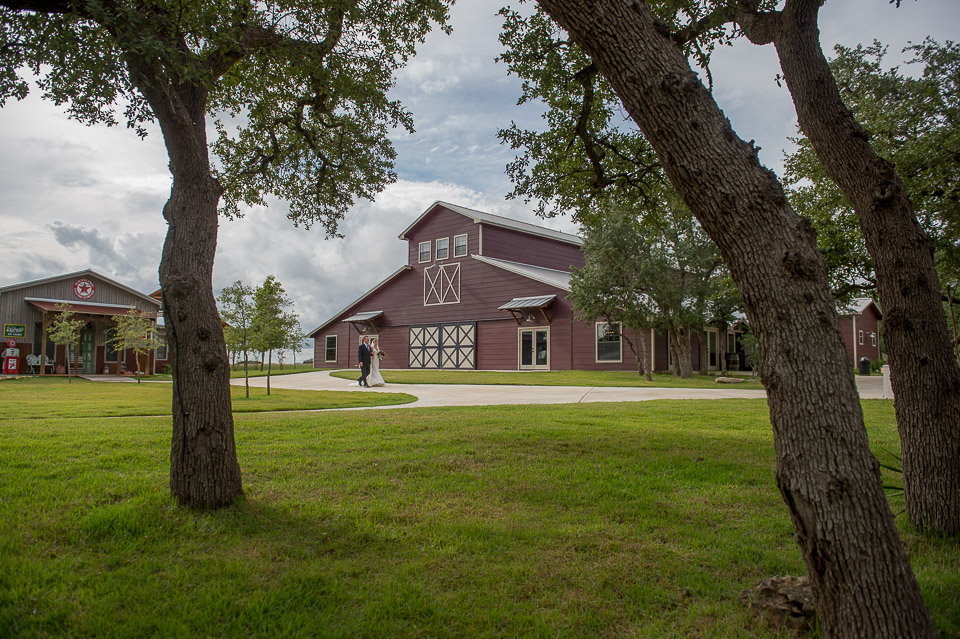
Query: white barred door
x,y
443,346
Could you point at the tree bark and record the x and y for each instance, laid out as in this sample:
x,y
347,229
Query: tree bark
x,y
204,472
861,578
923,370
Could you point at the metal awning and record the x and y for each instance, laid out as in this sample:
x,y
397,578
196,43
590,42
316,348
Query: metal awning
x,y
518,305
367,318
87,309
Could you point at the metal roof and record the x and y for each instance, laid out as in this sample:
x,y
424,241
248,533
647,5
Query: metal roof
x,y
518,303
857,306
553,277
65,276
84,308
497,220
366,316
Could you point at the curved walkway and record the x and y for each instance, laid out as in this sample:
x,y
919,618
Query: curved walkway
x,y
487,395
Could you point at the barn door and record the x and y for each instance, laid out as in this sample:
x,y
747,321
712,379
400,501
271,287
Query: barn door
x,y
424,351
443,346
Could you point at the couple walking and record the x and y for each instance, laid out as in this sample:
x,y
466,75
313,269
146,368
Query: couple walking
x,y
369,356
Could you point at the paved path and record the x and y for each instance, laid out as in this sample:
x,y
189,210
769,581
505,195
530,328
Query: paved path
x,y
486,395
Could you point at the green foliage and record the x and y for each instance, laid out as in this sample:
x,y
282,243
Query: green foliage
x,y
913,122
236,309
134,331
297,89
648,269
65,331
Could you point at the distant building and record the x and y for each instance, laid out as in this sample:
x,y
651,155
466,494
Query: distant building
x,y
480,291
860,325
28,309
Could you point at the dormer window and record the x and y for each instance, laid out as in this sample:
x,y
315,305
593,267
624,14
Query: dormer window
x,y
424,252
443,248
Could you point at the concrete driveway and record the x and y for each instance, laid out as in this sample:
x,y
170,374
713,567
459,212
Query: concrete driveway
x,y
486,395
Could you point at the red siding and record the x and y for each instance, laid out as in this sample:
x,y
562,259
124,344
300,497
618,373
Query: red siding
x,y
507,244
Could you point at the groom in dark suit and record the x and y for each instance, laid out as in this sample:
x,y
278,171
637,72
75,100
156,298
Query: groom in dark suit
x,y
363,354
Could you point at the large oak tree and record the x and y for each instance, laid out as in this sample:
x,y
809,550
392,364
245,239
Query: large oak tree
x,y
861,577
297,92
923,371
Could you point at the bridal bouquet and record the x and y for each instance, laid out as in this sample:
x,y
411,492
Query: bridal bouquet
x,y
381,354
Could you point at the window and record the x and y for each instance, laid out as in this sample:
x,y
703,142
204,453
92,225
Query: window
x,y
873,339
109,348
424,252
459,245
608,342
443,248
330,348
161,346
860,337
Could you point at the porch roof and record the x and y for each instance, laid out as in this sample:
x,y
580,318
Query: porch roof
x,y
365,316
518,303
83,308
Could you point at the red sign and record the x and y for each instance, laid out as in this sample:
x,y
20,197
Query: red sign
x,y
11,343
83,288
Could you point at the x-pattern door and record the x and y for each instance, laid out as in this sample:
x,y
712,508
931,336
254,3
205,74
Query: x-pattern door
x,y
443,346
441,284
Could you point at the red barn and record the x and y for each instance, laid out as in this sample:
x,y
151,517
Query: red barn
x,y
486,292
860,325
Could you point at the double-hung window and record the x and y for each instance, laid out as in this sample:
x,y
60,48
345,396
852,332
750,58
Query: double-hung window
x,y
459,245
609,348
330,349
424,252
443,248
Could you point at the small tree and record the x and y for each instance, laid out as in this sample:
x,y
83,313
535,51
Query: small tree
x,y
134,332
236,309
269,327
65,330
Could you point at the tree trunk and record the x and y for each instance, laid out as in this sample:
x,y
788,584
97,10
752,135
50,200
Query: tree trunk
x,y
680,338
269,364
204,472
923,371
861,578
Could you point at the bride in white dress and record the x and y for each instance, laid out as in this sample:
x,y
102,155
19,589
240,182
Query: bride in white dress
x,y
375,378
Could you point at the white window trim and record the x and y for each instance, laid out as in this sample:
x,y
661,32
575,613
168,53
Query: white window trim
x,y
860,338
420,259
336,343
466,241
520,330
873,339
596,344
437,248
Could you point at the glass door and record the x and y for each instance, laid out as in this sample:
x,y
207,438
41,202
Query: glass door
x,y
534,348
87,351
713,349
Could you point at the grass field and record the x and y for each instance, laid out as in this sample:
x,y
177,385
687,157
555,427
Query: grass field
x,y
608,520
55,397
549,378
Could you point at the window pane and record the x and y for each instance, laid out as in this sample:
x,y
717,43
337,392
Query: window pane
x,y
541,348
331,348
161,347
460,245
608,342
424,251
526,348
109,350
443,248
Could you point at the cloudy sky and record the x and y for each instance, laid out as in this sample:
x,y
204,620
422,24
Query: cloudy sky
x,y
73,197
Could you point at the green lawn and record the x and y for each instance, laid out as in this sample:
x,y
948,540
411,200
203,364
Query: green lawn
x,y
254,371
48,397
550,378
607,520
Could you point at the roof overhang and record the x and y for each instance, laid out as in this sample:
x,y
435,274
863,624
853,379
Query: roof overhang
x,y
84,308
366,320
526,307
